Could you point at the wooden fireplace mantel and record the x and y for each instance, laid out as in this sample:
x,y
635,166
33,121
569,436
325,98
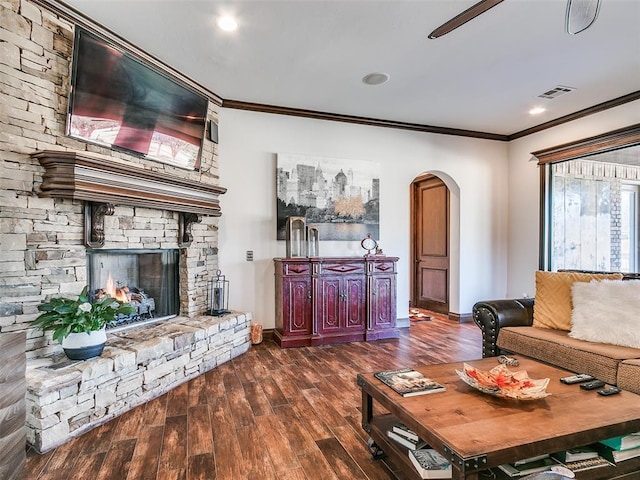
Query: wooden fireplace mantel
x,y
82,176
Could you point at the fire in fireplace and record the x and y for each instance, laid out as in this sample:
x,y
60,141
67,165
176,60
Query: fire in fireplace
x,y
148,279
145,305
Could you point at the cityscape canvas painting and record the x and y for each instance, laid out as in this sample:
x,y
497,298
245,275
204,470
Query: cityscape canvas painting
x,y
340,197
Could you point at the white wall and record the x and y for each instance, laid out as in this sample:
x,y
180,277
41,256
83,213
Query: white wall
x,y
474,169
524,188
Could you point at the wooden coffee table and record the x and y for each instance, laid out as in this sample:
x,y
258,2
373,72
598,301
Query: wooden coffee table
x,y
477,431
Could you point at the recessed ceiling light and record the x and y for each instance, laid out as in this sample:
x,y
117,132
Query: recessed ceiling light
x,y
375,78
228,24
537,110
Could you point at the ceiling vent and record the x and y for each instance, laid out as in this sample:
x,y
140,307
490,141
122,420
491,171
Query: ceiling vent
x,y
556,92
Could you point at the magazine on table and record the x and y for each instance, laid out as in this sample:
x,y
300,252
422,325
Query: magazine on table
x,y
408,382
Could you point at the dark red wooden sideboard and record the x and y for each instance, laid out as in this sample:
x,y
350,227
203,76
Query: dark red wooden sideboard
x,y
323,300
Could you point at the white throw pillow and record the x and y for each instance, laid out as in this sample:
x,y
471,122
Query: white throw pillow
x,y
607,311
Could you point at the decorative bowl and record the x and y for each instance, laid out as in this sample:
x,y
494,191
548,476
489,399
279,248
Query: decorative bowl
x,y
501,382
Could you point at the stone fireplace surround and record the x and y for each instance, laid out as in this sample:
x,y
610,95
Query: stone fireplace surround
x,y
65,399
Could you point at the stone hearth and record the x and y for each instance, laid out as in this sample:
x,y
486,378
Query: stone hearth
x,y
136,366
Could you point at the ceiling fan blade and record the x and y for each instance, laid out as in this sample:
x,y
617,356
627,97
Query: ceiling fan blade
x,y
469,14
580,15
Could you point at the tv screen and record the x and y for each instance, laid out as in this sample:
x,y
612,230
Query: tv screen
x,y
119,102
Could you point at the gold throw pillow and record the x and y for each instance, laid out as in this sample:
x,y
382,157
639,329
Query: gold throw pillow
x,y
552,307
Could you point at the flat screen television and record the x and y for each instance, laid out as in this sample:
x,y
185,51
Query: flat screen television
x,y
120,102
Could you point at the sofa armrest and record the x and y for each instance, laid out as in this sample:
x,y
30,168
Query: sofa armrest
x,y
492,315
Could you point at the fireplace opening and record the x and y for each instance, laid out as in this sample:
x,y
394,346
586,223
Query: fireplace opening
x,y
148,279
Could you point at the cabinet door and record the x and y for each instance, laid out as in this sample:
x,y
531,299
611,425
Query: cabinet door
x,y
354,303
330,305
383,302
342,305
297,306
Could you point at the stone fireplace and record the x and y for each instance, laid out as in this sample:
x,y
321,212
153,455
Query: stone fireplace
x,y
147,227
152,239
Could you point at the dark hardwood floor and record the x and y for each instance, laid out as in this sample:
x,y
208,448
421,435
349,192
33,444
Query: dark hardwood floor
x,y
287,414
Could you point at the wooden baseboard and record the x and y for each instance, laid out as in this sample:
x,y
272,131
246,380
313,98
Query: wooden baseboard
x,y
267,334
461,317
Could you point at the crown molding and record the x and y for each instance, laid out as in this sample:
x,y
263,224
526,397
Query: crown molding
x,y
374,122
601,107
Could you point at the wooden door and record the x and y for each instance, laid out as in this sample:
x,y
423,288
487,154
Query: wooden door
x,y
431,244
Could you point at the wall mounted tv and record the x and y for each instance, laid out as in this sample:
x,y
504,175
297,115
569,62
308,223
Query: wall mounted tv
x,y
119,102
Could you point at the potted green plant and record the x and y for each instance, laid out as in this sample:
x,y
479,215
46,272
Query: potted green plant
x,y
79,325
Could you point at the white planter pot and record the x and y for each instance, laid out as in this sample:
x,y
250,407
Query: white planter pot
x,y
81,346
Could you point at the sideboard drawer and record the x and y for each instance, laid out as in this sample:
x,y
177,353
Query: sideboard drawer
x,y
342,268
293,269
384,267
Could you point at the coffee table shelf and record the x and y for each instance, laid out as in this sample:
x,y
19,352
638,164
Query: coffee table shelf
x,y
381,424
476,432
379,427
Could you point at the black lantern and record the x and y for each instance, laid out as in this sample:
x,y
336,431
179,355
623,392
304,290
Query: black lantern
x,y
219,295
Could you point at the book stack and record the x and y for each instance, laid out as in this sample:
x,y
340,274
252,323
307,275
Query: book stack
x,y
528,466
587,464
582,458
401,434
618,449
577,454
430,464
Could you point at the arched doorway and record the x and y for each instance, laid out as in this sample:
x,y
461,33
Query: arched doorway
x,y
430,222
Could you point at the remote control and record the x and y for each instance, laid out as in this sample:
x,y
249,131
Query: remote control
x,y
579,378
593,385
609,391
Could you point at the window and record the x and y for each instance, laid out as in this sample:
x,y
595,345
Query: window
x,y
594,219
589,211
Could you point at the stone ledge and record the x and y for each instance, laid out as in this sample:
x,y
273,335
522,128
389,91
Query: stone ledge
x,y
136,366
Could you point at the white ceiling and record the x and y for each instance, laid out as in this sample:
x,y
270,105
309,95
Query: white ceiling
x,y
312,54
